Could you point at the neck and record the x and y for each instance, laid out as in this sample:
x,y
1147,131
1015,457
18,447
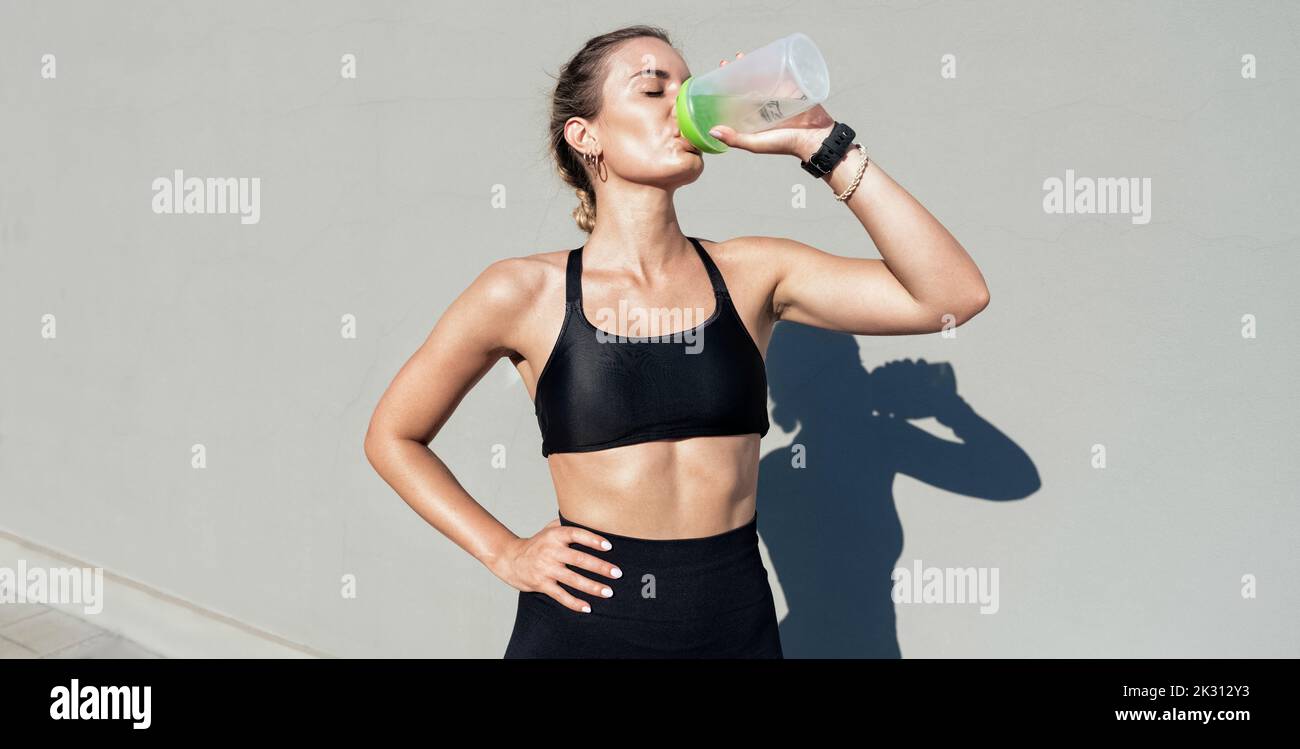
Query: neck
x,y
636,228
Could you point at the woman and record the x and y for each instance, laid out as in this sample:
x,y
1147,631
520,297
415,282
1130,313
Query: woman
x,y
651,429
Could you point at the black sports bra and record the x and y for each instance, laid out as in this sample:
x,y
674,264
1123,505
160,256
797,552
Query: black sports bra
x,y
599,390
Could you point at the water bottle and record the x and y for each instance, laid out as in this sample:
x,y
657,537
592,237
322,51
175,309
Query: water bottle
x,y
758,91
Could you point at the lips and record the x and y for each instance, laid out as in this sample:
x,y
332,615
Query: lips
x,y
687,144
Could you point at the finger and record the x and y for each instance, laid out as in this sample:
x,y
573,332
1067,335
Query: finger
x,y
587,538
589,562
752,142
734,139
566,599
584,583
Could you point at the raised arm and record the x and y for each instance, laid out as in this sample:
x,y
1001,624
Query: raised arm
x,y
923,281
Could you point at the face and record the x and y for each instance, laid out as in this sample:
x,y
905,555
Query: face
x,y
637,126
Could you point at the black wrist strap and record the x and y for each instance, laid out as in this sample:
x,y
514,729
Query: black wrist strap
x,y
832,151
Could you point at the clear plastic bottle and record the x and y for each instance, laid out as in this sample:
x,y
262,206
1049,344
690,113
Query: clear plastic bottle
x,y
758,91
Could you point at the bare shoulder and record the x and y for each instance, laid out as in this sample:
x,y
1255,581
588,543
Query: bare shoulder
x,y
759,256
761,248
755,261
520,300
517,283
751,266
505,299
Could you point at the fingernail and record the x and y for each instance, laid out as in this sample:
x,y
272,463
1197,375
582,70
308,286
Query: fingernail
x,y
606,592
605,545
616,572
715,132
586,609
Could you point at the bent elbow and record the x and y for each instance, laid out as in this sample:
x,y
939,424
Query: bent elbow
x,y
974,307
372,447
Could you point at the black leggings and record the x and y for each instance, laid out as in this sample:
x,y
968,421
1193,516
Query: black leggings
x,y
678,598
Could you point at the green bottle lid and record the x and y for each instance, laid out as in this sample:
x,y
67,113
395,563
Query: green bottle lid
x,y
686,123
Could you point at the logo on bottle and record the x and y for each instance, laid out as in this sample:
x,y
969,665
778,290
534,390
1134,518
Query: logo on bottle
x,y
771,111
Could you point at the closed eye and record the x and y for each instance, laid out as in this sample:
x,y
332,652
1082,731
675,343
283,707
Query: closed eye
x,y
653,93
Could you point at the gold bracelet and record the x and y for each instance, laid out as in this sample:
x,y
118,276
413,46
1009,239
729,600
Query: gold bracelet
x,y
862,168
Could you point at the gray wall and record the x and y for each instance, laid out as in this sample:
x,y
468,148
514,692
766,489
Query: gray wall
x,y
376,196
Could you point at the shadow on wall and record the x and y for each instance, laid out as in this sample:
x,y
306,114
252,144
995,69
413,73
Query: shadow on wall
x,y
828,521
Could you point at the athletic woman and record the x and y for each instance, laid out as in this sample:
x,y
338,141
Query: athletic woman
x,y
643,351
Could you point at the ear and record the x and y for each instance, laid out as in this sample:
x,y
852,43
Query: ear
x,y
580,133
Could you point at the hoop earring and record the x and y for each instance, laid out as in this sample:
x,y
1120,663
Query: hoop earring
x,y
597,163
